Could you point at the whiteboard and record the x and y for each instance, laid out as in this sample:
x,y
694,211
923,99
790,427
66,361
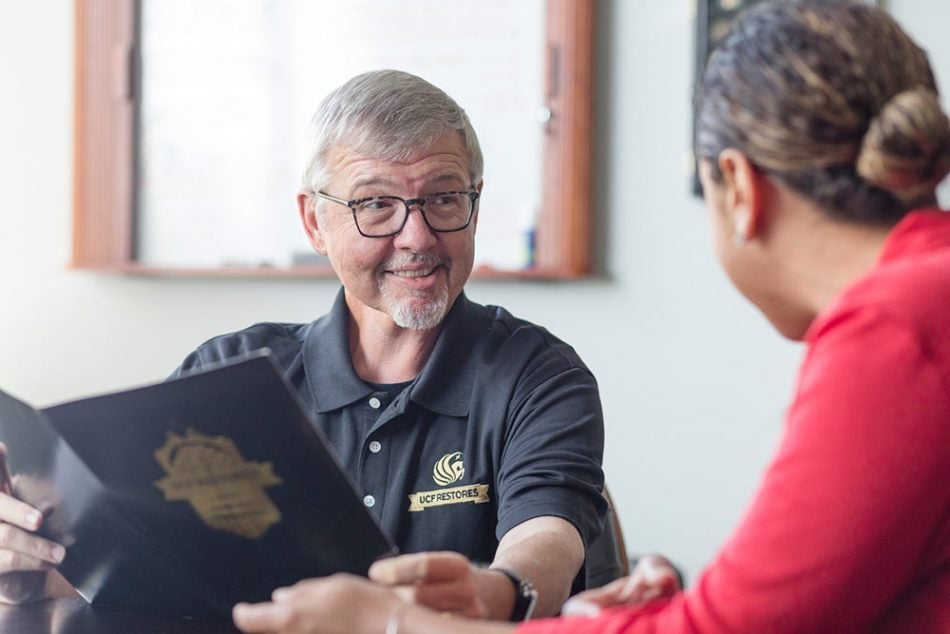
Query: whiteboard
x,y
228,88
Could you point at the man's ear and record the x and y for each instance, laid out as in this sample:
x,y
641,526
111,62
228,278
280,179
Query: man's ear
x,y
306,207
744,188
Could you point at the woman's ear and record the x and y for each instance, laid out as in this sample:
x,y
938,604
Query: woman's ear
x,y
306,207
743,187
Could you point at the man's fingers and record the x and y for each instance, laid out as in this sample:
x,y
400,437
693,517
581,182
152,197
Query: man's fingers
x,y
13,511
419,568
261,617
21,550
14,562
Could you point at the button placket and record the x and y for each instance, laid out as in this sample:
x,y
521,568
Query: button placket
x,y
372,462
377,402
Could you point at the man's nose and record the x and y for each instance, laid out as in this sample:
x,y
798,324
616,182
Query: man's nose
x,y
415,234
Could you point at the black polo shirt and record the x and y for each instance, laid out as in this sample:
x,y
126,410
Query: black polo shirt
x,y
503,424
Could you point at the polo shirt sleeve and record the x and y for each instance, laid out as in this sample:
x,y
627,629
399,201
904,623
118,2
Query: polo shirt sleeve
x,y
849,515
551,461
217,350
231,345
193,361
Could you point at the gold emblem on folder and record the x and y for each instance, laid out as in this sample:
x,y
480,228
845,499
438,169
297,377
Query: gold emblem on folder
x,y
225,490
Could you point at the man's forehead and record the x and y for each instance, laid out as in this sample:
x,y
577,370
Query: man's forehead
x,y
441,162
402,150
370,179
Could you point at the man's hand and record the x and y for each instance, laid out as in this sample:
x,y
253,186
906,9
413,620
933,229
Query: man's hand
x,y
25,559
652,578
339,604
546,550
443,581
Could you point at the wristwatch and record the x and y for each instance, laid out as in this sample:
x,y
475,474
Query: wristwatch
x,y
525,595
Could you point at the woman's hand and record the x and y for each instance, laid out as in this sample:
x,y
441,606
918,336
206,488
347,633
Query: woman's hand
x,y
340,604
653,577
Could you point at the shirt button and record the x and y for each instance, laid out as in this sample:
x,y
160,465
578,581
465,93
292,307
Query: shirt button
x,y
369,501
375,446
375,403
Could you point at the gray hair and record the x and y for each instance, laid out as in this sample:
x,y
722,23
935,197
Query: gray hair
x,y
388,115
833,98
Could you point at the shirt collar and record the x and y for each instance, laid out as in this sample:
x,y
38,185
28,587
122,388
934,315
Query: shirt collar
x,y
918,232
326,355
445,383
443,386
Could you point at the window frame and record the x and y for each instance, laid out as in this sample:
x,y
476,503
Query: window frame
x,y
104,199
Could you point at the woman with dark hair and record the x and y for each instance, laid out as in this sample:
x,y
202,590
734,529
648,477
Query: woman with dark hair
x,y
821,141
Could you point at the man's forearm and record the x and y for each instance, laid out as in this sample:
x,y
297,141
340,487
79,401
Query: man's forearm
x,y
548,551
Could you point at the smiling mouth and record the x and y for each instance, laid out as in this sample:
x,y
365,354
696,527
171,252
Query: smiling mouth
x,y
414,273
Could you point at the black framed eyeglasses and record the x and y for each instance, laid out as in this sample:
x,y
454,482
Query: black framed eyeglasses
x,y
383,216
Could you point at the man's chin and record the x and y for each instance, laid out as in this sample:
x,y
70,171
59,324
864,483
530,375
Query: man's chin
x,y
418,313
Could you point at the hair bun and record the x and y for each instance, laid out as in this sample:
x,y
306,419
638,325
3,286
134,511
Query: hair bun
x,y
906,150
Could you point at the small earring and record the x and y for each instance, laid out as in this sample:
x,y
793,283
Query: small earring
x,y
740,231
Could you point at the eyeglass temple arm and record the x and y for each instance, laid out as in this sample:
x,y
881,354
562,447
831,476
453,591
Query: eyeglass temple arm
x,y
331,198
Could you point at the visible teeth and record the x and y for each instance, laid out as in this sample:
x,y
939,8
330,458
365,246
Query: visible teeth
x,y
414,273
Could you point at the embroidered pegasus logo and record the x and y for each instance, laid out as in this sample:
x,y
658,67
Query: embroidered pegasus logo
x,y
449,469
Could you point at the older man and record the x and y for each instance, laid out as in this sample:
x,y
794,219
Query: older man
x,y
464,428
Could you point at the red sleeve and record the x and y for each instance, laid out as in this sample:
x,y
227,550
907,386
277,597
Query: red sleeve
x,y
850,508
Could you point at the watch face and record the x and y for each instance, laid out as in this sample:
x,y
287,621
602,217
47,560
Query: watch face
x,y
529,596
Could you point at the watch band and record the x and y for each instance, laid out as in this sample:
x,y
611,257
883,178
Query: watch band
x,y
526,596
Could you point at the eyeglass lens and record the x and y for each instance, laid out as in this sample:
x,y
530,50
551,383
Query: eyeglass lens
x,y
386,214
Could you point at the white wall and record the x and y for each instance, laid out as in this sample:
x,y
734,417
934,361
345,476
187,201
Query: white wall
x,y
693,380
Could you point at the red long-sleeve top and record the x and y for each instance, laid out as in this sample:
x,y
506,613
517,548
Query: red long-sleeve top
x,y
850,528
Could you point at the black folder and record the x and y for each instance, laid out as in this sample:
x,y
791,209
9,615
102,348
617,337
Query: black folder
x,y
188,496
